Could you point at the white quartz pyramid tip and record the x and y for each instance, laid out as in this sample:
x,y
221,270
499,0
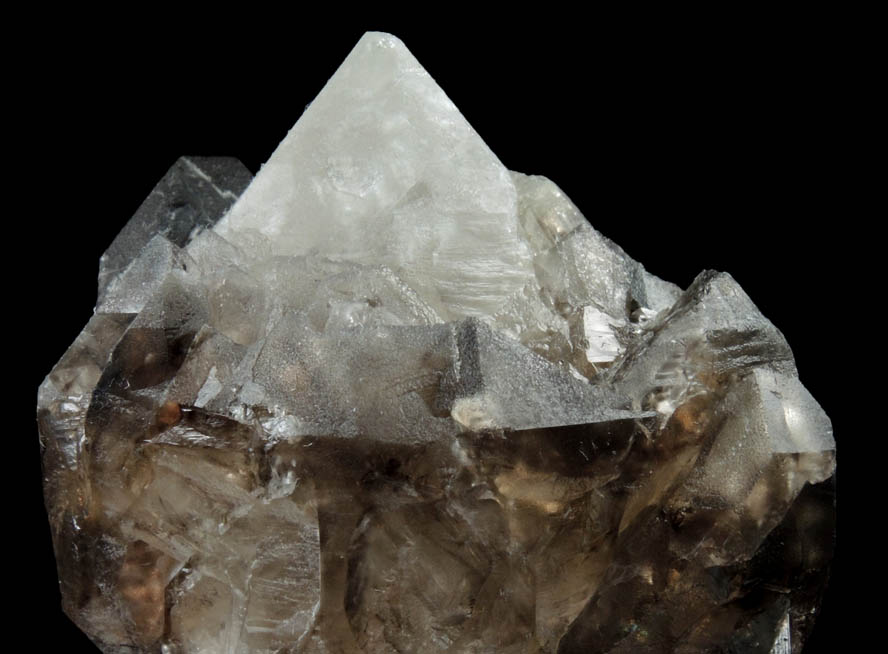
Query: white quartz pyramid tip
x,y
383,168
389,396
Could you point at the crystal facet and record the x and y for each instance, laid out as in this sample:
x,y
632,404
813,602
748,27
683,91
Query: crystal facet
x,y
389,396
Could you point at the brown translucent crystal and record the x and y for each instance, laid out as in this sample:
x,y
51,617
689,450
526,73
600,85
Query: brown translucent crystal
x,y
392,397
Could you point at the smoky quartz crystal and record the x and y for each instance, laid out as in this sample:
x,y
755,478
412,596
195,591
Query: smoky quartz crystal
x,y
389,396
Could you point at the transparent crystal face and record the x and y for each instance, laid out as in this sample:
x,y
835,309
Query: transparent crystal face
x,y
389,396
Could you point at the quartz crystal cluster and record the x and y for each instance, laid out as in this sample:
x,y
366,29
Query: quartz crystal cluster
x,y
389,396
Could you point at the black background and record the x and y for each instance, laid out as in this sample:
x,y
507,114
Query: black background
x,y
693,142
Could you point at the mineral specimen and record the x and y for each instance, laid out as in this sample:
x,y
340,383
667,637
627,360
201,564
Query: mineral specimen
x,y
392,397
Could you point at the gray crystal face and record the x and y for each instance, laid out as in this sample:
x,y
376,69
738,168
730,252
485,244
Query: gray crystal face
x,y
389,396
194,194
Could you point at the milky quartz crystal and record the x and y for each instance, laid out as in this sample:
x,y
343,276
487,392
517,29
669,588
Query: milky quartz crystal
x,y
389,396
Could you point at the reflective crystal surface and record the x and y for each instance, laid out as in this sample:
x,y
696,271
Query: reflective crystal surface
x,y
390,396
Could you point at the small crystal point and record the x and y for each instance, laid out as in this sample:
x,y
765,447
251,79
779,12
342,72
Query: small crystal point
x,y
193,195
392,397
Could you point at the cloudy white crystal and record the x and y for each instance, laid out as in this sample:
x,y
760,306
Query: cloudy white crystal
x,y
382,168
